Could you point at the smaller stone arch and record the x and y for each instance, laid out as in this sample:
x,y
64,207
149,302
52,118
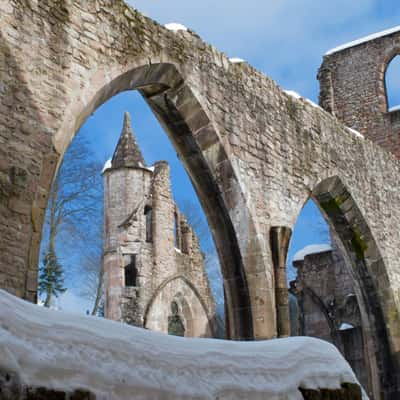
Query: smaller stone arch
x,y
196,318
380,319
390,55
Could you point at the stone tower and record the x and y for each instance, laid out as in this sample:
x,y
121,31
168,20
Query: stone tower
x,y
153,267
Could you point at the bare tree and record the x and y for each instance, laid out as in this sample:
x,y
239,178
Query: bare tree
x,y
74,213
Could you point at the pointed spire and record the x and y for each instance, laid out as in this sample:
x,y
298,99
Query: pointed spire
x,y
127,152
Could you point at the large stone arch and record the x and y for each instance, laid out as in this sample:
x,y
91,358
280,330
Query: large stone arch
x,y
199,147
198,320
258,150
380,319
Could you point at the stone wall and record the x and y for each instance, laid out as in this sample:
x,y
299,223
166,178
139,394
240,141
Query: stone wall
x,y
254,153
329,310
353,88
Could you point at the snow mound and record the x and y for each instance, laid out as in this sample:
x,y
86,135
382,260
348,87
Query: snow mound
x,y
311,249
112,360
107,166
175,27
344,326
363,40
236,60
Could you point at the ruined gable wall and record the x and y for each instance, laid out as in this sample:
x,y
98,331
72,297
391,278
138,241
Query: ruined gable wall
x,y
353,89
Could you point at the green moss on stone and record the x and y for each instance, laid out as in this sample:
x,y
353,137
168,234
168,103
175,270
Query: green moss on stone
x,y
358,244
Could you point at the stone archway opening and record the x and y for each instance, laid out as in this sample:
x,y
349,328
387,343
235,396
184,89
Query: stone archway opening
x,y
344,291
196,143
392,84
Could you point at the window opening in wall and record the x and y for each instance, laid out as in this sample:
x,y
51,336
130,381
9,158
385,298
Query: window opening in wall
x,y
175,323
176,232
148,212
131,272
392,80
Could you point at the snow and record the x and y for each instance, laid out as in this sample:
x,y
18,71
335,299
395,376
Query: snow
x,y
177,250
65,351
297,96
344,326
395,108
293,94
175,27
363,40
354,132
311,249
150,168
236,60
107,165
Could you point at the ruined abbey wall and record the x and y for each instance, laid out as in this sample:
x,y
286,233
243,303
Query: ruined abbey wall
x,y
152,256
254,153
353,88
328,309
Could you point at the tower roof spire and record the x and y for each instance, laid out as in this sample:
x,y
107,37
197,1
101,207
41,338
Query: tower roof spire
x,y
127,152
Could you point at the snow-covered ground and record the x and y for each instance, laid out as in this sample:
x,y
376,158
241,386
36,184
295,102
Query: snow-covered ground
x,y
115,361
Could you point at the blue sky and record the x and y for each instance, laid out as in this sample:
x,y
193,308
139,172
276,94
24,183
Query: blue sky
x,y
285,39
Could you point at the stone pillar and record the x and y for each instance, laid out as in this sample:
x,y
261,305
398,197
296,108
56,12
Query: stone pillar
x,y
279,240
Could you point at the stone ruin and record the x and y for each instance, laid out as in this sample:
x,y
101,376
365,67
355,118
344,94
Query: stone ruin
x,y
153,266
254,153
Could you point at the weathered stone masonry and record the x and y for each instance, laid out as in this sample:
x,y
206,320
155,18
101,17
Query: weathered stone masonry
x,y
254,154
328,309
353,88
152,257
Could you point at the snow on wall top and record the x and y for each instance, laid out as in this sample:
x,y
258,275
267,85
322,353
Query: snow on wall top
x,y
107,165
363,40
64,351
311,249
236,60
175,27
344,326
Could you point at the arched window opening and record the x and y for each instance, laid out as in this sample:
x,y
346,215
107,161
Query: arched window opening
x,y
148,213
131,272
392,80
135,182
177,232
175,323
336,284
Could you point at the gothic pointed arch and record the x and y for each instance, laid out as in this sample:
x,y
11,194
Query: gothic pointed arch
x,y
367,267
178,289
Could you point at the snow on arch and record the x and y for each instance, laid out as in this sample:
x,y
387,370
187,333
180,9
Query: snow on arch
x,y
311,249
62,351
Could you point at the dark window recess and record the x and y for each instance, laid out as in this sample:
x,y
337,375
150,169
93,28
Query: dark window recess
x,y
148,212
176,232
131,272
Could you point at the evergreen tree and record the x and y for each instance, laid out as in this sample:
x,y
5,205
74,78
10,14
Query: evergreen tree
x,y
51,278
